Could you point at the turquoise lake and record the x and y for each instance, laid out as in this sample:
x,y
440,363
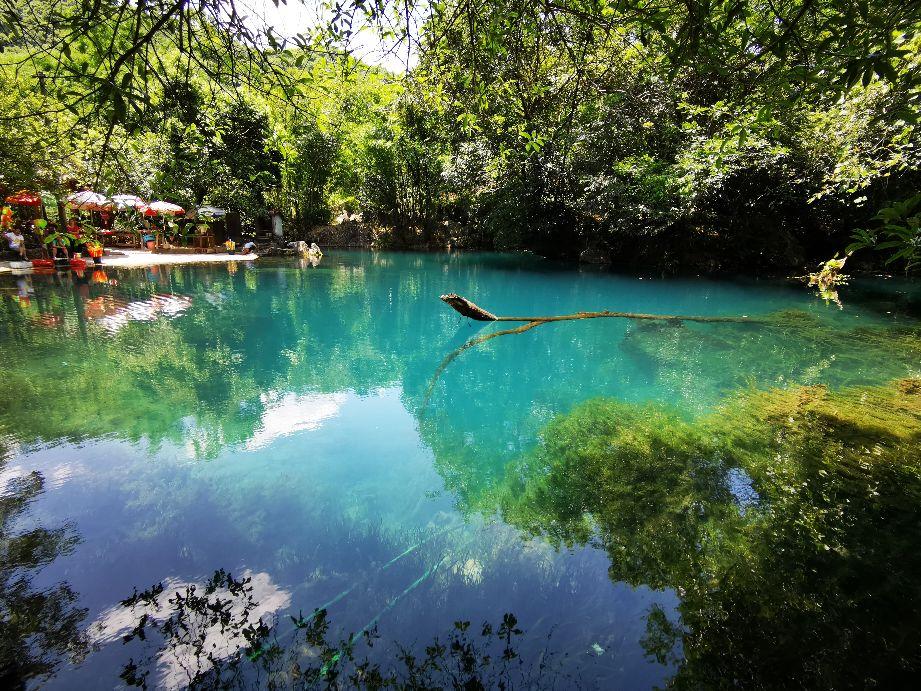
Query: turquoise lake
x,y
309,427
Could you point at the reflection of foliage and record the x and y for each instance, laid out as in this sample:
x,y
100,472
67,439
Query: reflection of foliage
x,y
37,627
827,279
786,521
691,364
213,635
205,377
198,622
662,637
659,472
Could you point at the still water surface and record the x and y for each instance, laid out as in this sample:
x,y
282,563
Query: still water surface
x,y
302,426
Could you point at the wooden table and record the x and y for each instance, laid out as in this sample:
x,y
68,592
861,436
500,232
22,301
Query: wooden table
x,y
203,241
121,239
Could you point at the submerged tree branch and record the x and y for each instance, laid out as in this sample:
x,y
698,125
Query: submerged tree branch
x,y
473,311
450,357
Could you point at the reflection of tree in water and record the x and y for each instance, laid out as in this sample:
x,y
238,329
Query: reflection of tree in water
x,y
200,378
661,500
214,635
491,402
37,627
787,522
342,326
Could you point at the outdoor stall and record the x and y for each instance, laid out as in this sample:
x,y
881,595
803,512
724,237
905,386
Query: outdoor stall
x,y
166,235
206,218
125,230
89,234
30,207
23,213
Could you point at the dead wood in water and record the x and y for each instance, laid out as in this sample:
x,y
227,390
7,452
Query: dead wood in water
x,y
473,311
449,358
468,309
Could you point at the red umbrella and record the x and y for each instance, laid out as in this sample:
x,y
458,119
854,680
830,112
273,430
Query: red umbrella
x,y
25,198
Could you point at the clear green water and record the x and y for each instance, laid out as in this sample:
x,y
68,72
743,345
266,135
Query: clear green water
x,y
299,424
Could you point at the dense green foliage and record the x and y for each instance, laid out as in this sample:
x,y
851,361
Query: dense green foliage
x,y
707,135
214,125
727,138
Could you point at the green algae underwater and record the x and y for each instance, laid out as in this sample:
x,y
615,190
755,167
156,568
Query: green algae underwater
x,y
668,504
788,521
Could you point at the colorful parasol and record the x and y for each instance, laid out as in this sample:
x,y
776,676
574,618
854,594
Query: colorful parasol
x,y
127,201
161,209
25,198
88,200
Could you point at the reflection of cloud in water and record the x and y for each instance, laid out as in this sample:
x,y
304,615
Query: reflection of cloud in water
x,y
290,413
63,472
11,472
113,313
55,474
115,622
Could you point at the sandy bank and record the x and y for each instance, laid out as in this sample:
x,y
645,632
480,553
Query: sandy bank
x,y
129,258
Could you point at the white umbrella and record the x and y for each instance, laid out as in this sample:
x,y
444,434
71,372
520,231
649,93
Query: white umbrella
x,y
162,209
127,201
88,201
211,212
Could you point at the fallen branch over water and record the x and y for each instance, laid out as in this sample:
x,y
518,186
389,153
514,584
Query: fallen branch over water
x,y
473,311
477,313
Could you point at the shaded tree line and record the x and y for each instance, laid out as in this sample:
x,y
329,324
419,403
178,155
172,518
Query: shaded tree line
x,y
724,135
